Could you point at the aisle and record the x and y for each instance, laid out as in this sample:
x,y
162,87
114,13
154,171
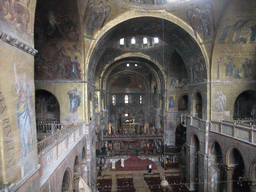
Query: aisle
x,y
139,183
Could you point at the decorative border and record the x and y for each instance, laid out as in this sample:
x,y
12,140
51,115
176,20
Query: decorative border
x,y
18,44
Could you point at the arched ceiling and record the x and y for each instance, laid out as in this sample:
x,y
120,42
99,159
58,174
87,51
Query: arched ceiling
x,y
171,37
131,75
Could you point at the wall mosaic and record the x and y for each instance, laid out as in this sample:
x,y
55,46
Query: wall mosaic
x,y
55,24
7,134
201,19
236,68
242,31
197,68
171,102
219,101
55,64
95,17
24,112
17,13
75,101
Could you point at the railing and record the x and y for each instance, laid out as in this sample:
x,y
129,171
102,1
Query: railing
x,y
52,148
58,135
47,121
196,122
131,137
235,129
48,128
243,132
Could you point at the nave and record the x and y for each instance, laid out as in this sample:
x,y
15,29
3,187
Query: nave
x,y
140,180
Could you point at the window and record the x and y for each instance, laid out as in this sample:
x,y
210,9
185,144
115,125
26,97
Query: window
x,y
122,41
140,99
113,100
126,99
145,40
156,40
133,41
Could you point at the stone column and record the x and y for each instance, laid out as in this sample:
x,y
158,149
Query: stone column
x,y
230,172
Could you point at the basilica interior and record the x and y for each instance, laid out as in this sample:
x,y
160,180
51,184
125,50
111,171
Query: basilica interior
x,y
127,95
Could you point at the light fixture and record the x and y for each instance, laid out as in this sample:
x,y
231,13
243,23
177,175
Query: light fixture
x,y
135,64
128,65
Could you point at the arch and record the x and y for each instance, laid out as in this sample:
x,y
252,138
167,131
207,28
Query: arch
x,y
194,161
183,103
198,105
47,105
180,136
245,105
91,59
77,174
47,113
57,24
84,154
155,68
150,13
112,79
236,170
66,185
215,169
253,172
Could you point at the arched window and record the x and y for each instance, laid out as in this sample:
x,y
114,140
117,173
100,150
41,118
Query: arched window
x,y
122,41
156,40
133,41
126,99
113,100
145,40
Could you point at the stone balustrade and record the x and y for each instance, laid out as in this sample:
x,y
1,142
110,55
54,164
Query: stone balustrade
x,y
234,129
54,148
61,139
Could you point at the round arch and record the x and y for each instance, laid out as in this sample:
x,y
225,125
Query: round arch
x,y
106,30
160,76
198,104
245,105
67,183
194,161
183,102
236,170
77,174
150,13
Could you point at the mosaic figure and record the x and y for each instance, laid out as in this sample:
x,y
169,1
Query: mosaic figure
x,y
237,27
15,12
247,65
75,100
224,32
202,20
219,101
171,100
96,15
24,112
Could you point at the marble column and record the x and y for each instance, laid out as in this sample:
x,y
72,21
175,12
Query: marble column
x,y
230,172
